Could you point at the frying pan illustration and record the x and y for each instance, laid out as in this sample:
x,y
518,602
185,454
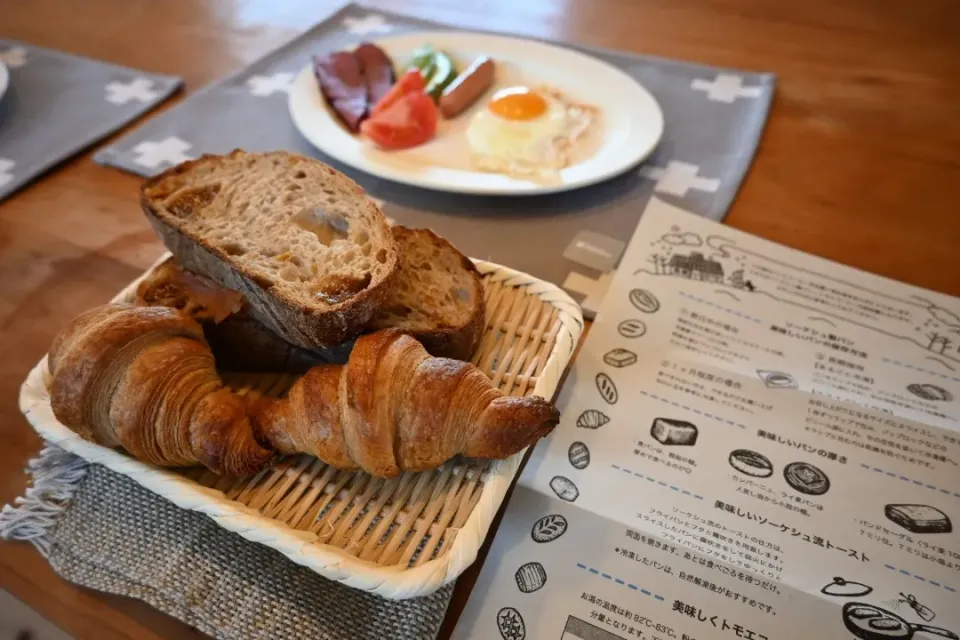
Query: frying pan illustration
x,y
870,622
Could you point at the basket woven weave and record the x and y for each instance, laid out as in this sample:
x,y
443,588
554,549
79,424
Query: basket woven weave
x,y
398,538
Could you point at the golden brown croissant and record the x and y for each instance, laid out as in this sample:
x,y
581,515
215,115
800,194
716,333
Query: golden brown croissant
x,y
395,408
144,378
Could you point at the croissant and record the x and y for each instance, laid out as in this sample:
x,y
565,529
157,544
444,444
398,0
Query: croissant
x,y
143,378
394,408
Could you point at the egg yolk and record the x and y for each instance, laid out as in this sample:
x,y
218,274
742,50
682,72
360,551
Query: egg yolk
x,y
517,103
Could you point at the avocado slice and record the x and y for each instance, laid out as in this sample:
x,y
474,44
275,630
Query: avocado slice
x,y
424,59
423,56
443,74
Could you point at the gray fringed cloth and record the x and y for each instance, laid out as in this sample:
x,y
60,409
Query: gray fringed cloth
x,y
102,530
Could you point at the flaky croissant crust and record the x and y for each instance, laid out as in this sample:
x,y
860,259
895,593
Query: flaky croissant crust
x,y
394,408
144,378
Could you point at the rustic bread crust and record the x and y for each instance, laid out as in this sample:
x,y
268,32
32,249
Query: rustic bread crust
x,y
448,340
239,341
302,326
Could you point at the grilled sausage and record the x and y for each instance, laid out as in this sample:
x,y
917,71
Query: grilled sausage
x,y
467,87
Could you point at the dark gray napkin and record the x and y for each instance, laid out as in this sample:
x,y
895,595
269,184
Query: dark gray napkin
x,y
104,531
58,103
714,119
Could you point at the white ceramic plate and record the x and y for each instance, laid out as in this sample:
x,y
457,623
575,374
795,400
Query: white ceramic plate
x,y
4,79
630,125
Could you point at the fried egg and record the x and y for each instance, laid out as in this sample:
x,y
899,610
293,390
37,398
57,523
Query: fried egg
x,y
527,133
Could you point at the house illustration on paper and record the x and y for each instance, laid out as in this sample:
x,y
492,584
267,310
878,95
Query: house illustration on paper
x,y
695,267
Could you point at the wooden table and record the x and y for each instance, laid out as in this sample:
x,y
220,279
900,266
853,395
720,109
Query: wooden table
x,y
859,164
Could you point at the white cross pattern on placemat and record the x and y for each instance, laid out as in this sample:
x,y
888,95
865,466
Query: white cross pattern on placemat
x,y
14,57
725,88
370,23
268,85
6,165
594,290
678,178
170,151
139,89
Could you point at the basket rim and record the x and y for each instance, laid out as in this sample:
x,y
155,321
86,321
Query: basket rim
x,y
300,546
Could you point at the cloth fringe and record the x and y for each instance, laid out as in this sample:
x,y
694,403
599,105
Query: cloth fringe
x,y
55,474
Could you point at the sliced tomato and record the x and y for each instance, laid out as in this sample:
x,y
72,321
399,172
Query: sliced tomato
x,y
408,122
410,82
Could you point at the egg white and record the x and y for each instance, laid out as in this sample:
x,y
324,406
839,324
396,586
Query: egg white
x,y
537,148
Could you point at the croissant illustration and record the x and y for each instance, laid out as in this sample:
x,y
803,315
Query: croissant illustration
x,y
394,408
143,378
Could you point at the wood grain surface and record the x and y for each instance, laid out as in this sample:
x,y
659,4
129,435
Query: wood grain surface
x,y
860,164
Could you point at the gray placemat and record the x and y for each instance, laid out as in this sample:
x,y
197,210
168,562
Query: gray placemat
x,y
102,530
714,119
58,103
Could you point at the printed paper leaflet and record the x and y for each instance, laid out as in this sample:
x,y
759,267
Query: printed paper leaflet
x,y
755,443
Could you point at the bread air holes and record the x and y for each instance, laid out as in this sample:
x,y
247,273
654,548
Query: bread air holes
x,y
291,273
234,249
300,175
262,281
382,256
337,287
399,310
288,257
327,227
189,201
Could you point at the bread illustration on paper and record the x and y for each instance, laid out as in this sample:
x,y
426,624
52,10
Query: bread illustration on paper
x,y
919,518
620,358
607,389
751,463
632,328
592,419
672,432
510,624
579,455
548,528
806,478
530,577
644,301
564,488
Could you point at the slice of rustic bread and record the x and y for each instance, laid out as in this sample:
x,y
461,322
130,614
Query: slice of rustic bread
x,y
301,242
436,295
238,341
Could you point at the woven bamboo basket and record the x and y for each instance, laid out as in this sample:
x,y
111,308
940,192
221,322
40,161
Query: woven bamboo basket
x,y
399,538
